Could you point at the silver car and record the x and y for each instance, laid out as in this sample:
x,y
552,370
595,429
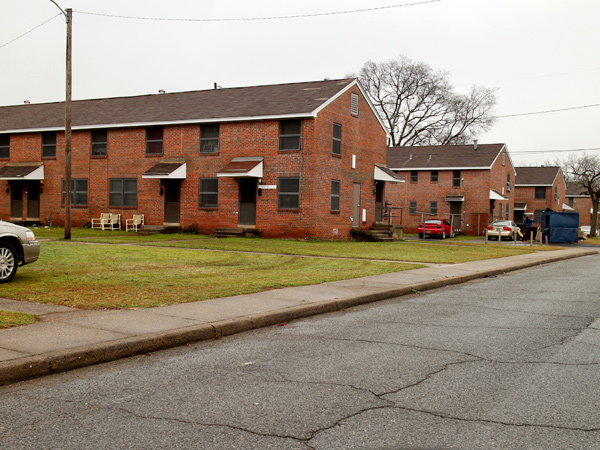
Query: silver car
x,y
17,248
505,228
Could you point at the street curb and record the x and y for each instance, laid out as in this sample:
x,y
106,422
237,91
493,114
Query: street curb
x,y
22,369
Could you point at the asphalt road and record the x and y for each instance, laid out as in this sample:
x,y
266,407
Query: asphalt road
x,y
505,362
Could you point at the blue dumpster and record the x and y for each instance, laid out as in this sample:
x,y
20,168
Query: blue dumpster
x,y
560,227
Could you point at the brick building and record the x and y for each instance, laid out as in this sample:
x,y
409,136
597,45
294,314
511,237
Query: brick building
x,y
538,189
579,199
290,160
471,185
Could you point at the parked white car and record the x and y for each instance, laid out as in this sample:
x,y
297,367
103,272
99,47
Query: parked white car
x,y
18,247
505,228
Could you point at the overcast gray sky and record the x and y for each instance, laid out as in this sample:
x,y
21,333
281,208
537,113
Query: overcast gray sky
x,y
540,54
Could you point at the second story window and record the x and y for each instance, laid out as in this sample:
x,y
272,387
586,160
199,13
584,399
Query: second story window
x,y
414,176
5,146
99,142
456,178
154,141
337,139
434,176
49,145
289,134
209,138
540,193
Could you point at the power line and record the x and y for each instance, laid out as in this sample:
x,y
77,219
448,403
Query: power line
x,y
33,29
549,111
247,19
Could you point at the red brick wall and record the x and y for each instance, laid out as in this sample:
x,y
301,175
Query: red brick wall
x,y
527,194
362,136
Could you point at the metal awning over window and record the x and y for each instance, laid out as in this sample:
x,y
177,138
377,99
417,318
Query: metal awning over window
x,y
497,196
455,198
385,174
170,170
566,207
243,167
520,207
22,171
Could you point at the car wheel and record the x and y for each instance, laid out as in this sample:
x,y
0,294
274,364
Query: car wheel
x,y
420,235
8,262
444,234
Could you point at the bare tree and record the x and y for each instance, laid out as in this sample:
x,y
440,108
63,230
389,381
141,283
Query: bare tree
x,y
585,170
420,107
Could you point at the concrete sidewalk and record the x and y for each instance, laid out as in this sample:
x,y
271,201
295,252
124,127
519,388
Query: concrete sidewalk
x,y
66,338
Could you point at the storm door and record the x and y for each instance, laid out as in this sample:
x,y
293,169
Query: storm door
x,y
247,197
456,215
379,201
172,200
33,200
16,199
356,206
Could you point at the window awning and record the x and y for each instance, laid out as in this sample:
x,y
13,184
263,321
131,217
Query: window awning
x,y
385,174
520,207
566,207
170,170
455,198
497,195
243,167
22,171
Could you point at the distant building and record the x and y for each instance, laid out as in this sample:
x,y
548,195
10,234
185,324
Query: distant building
x,y
579,199
471,185
538,189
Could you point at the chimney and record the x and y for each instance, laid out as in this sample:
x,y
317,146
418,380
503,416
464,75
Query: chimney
x,y
215,85
475,144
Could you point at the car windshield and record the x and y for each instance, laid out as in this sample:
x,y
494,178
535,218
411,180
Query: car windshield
x,y
433,222
502,223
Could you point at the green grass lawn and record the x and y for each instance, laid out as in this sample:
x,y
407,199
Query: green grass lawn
x,y
146,271
13,319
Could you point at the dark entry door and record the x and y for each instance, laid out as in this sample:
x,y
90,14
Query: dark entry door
x,y
247,201
172,200
33,200
379,201
356,206
16,199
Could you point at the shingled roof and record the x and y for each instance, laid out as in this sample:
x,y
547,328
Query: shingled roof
x,y
536,176
575,189
214,105
443,157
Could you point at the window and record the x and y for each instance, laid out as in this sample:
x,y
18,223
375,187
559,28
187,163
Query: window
x,y
122,192
456,178
540,193
99,142
209,138
335,195
49,145
289,134
337,139
414,176
507,211
433,207
571,201
154,141
288,193
412,209
5,146
209,193
434,176
79,192
354,104
508,177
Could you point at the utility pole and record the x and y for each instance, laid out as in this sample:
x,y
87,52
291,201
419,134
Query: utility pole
x,y
69,18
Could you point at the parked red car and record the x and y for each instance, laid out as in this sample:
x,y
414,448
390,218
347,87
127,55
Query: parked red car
x,y
436,227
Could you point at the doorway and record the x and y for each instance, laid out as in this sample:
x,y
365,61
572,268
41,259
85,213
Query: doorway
x,y
379,200
172,201
33,200
16,200
356,206
456,215
247,198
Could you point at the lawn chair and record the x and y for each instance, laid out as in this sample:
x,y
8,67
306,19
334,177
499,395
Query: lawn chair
x,y
114,223
134,224
102,221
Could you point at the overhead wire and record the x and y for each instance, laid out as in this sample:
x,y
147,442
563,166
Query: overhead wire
x,y
241,19
33,29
